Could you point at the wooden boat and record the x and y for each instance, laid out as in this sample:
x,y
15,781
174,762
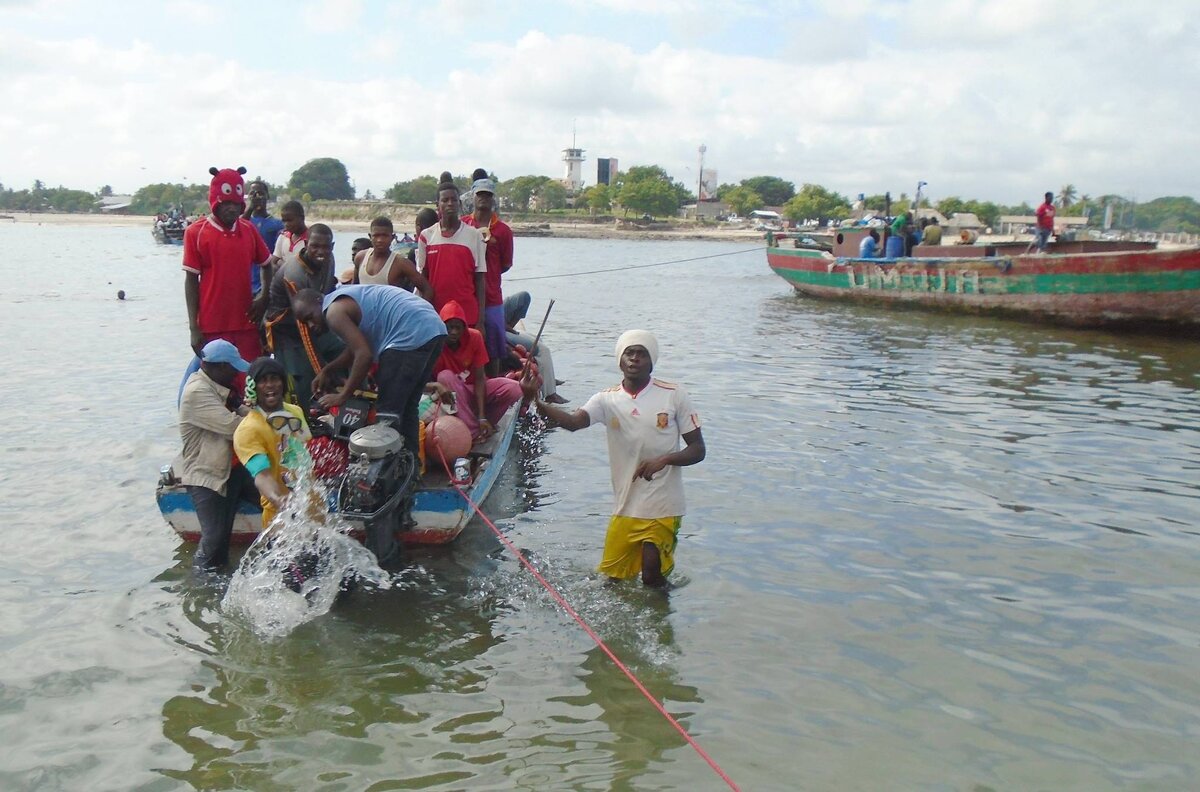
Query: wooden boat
x,y
1129,285
169,232
439,511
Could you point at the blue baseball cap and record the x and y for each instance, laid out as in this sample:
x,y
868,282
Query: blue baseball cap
x,y
484,185
221,351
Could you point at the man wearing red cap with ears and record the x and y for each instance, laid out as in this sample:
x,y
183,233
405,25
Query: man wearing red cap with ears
x,y
218,256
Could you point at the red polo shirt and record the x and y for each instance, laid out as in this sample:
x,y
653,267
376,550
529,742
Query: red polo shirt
x,y
223,259
499,255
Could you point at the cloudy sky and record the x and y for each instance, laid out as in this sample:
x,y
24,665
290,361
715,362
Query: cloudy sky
x,y
998,100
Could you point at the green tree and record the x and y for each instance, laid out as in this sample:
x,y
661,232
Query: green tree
x,y
324,178
724,189
878,203
657,173
155,198
551,195
743,200
598,197
420,190
105,191
814,202
516,193
774,190
654,197
1066,196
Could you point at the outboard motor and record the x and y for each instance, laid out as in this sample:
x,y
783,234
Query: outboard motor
x,y
378,485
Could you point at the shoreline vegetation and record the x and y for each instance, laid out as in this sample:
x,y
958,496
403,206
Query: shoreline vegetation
x,y
355,217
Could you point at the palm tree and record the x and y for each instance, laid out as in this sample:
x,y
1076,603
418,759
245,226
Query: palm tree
x,y
1066,196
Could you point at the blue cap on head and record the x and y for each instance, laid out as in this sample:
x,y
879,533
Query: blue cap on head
x,y
221,351
484,185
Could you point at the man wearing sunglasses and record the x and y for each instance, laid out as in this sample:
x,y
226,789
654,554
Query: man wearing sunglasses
x,y
270,440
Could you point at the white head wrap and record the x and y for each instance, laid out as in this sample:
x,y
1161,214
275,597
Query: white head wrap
x,y
643,338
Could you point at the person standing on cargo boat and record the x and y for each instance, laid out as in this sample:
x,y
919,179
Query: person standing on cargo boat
x,y
1045,222
645,419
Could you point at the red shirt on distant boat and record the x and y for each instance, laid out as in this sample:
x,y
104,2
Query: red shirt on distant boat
x,y
1045,216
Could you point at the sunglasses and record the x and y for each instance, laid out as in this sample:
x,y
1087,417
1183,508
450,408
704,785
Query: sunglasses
x,y
277,422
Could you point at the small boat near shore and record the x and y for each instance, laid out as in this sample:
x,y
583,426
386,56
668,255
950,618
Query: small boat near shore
x,y
438,514
1091,283
169,232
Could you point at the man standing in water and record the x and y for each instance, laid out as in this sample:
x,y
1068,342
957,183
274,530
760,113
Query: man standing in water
x,y
207,425
645,419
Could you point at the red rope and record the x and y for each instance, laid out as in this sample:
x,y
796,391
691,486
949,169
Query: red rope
x,y
591,633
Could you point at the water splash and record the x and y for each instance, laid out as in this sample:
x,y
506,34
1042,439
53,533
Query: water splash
x,y
295,570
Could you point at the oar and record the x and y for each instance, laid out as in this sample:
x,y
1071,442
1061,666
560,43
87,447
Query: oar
x,y
536,339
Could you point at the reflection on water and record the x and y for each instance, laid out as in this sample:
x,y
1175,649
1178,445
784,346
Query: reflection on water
x,y
924,552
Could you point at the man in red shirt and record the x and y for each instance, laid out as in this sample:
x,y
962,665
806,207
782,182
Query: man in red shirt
x,y
481,400
218,255
450,256
1045,222
498,255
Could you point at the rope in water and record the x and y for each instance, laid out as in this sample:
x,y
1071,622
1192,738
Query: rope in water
x,y
586,628
633,266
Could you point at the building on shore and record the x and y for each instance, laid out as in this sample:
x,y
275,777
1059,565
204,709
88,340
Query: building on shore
x,y
573,159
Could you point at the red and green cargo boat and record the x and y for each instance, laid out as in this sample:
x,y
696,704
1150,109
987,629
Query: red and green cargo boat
x,y
1091,283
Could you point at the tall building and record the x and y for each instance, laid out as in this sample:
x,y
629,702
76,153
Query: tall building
x,y
573,158
606,170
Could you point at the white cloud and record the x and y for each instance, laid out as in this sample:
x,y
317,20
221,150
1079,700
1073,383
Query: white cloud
x,y
330,16
999,101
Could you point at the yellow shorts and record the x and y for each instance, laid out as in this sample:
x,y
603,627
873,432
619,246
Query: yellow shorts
x,y
623,544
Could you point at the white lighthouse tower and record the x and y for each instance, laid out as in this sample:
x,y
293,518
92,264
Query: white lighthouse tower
x,y
573,159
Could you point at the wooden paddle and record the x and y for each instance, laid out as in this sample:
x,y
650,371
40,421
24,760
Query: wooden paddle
x,y
536,339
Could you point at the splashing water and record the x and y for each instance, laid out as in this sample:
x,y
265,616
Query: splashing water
x,y
296,568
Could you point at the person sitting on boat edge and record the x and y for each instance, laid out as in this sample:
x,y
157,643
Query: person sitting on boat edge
x,y
645,418
869,246
933,233
312,268
1045,222
206,426
516,306
461,367
270,440
382,323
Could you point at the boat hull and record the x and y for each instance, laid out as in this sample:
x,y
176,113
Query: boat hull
x,y
440,513
1148,290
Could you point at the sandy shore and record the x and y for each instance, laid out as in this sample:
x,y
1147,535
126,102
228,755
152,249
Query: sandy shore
x,y
551,229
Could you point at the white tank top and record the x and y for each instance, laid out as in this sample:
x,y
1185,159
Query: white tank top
x,y
380,277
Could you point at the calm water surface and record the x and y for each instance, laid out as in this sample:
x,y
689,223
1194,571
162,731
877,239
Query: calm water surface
x,y
924,552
